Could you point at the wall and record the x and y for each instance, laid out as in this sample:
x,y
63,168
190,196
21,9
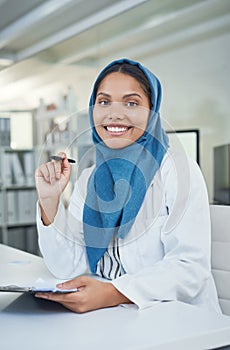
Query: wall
x,y
196,88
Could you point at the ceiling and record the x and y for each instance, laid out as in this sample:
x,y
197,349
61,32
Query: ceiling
x,y
42,40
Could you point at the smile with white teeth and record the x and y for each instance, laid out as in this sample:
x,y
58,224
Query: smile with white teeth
x,y
117,129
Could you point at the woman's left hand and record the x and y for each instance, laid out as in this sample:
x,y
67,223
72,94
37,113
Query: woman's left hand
x,y
91,295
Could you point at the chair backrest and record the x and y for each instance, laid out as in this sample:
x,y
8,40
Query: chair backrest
x,y
220,256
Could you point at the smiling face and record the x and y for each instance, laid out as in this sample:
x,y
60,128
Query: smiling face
x,y
121,110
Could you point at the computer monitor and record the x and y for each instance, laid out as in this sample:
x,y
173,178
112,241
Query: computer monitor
x,y
188,140
222,174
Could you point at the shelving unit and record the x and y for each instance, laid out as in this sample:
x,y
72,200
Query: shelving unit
x,y
18,198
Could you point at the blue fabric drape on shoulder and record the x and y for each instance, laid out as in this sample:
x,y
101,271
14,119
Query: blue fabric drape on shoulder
x,y
116,189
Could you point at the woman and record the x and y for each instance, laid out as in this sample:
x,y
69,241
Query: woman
x,y
139,218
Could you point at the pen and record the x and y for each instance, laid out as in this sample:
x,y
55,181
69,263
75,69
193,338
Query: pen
x,y
60,158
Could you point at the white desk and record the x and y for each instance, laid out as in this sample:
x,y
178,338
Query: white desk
x,y
30,323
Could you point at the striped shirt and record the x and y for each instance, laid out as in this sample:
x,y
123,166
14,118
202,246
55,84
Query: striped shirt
x,y
109,266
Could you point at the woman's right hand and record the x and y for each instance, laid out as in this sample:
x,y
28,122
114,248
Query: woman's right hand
x,y
51,179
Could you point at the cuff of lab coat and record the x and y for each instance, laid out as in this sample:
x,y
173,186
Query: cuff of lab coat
x,y
58,222
126,285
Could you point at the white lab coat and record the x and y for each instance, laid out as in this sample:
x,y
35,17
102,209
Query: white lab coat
x,y
166,255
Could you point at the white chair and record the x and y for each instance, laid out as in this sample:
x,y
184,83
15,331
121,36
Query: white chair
x,y
220,256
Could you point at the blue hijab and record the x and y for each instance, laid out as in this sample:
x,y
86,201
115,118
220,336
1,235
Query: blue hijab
x,y
117,186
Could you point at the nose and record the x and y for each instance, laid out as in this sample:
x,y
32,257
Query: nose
x,y
116,112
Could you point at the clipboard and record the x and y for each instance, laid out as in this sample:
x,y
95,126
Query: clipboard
x,y
18,289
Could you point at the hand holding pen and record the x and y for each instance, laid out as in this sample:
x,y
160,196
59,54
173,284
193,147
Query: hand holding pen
x,y
57,171
51,180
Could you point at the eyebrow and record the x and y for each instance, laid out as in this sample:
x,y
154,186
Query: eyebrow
x,y
124,97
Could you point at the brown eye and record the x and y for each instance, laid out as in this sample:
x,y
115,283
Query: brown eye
x,y
103,102
131,104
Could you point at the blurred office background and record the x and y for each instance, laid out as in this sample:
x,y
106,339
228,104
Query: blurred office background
x,y
50,53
